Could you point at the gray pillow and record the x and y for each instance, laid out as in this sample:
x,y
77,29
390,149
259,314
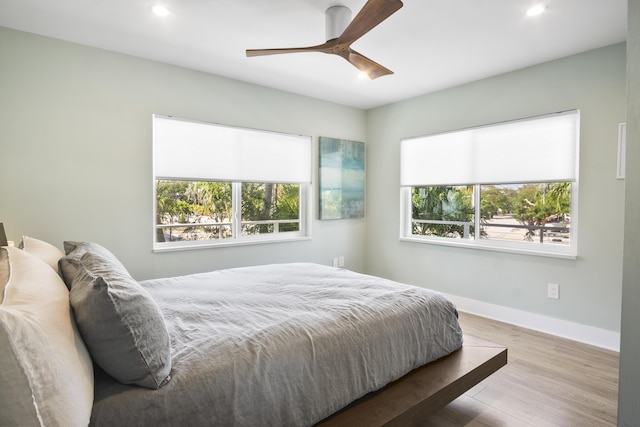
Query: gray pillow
x,y
120,323
69,270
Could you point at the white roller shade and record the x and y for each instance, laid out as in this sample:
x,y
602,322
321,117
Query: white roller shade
x,y
203,151
538,149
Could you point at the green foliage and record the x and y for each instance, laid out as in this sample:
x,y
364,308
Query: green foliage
x,y
192,202
287,205
202,202
495,200
168,193
179,201
264,202
537,204
442,203
530,204
211,199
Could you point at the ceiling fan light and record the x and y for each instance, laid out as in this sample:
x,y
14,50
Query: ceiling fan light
x,y
536,10
160,10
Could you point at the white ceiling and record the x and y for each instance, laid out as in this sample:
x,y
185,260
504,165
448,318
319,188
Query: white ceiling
x,y
429,44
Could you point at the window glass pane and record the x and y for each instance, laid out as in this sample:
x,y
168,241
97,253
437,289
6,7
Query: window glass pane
x,y
193,210
534,212
443,211
270,208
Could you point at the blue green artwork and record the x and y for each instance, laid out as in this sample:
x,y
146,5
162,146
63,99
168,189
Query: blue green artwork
x,y
341,177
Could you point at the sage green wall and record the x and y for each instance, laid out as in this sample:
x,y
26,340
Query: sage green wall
x,y
75,151
590,286
75,163
629,395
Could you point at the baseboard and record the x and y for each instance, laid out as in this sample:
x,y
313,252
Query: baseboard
x,y
562,328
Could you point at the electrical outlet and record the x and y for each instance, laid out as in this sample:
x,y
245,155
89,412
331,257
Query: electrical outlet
x,y
335,262
553,290
341,262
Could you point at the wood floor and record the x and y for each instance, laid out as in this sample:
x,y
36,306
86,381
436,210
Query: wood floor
x,y
548,381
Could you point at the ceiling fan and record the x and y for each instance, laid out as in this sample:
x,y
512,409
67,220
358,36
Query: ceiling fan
x,y
339,42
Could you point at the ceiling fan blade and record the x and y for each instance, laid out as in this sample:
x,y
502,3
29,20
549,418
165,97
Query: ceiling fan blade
x,y
372,69
324,48
371,15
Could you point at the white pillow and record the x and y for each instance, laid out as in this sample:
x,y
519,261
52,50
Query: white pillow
x,y
45,369
43,250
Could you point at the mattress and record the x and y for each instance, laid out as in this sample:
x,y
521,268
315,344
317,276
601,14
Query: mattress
x,y
280,345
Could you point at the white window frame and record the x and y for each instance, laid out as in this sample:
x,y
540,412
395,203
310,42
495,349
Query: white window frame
x,y
551,250
300,174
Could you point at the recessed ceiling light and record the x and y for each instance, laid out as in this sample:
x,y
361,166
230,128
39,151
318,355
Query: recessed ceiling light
x,y
160,10
536,10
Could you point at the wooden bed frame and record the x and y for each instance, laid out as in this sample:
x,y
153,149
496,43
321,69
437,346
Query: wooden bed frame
x,y
423,391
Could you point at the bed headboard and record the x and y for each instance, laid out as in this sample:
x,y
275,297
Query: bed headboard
x,y
3,236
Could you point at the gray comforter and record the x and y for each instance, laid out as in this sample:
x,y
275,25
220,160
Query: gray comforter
x,y
280,345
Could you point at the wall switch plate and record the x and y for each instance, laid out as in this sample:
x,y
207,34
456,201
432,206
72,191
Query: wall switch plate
x,y
553,290
335,262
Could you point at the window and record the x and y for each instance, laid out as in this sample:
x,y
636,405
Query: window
x,y
508,186
221,185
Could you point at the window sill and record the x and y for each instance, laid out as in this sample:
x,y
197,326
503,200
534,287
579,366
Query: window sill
x,y
208,244
552,252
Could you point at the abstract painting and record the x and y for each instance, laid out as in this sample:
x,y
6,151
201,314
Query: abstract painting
x,y
342,177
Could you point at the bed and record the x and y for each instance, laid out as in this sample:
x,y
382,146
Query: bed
x,y
274,345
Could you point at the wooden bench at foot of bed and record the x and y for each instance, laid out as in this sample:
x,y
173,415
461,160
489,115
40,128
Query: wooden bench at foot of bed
x,y
423,391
